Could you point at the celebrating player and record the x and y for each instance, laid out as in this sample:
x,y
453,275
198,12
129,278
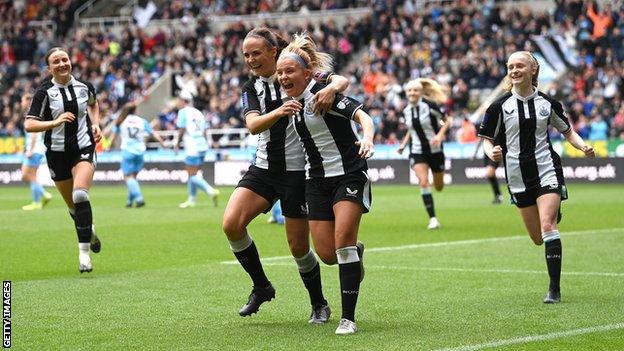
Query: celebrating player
x,y
277,173
337,188
515,130
426,135
66,109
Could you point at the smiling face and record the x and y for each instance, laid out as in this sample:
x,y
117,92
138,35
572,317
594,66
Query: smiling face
x,y
292,77
259,56
520,70
413,92
60,66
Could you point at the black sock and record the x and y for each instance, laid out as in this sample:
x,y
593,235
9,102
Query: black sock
x,y
494,183
349,287
83,219
250,260
73,217
428,200
312,282
553,262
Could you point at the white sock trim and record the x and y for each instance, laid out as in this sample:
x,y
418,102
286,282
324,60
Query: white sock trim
x,y
550,236
347,255
242,244
307,262
425,191
83,248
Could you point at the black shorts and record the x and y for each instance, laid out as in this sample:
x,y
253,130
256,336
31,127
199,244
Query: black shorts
x,y
323,193
61,163
435,161
488,162
287,187
528,197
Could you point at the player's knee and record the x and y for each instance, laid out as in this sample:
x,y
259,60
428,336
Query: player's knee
x,y
298,248
327,256
232,227
549,225
80,195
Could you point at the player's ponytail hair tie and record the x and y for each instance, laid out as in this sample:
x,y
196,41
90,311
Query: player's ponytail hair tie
x,y
296,57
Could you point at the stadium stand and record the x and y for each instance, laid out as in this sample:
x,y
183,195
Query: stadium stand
x,y
452,42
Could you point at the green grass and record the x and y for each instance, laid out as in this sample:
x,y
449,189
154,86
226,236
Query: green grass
x,y
159,282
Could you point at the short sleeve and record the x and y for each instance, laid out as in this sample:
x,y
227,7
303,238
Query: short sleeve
x,y
38,105
345,106
181,120
558,118
92,94
249,100
322,77
148,127
490,124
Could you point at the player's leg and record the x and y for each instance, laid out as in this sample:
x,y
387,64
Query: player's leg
x,y
29,176
548,207
191,188
127,168
82,174
243,206
200,183
348,215
422,173
297,232
490,173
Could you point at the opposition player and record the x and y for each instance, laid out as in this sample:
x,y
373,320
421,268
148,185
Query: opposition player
x,y
515,130
277,173
427,126
66,109
192,128
337,187
133,130
34,154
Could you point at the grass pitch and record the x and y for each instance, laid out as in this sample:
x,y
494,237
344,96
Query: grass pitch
x,y
164,279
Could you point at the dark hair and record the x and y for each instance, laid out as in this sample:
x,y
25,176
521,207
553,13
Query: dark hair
x,y
273,39
50,52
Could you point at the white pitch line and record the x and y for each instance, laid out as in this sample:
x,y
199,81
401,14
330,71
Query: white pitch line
x,y
471,270
534,338
453,243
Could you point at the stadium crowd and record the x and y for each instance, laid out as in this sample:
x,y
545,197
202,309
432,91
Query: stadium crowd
x,y
461,45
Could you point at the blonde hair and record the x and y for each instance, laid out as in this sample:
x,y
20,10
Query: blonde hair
x,y
429,88
507,81
304,46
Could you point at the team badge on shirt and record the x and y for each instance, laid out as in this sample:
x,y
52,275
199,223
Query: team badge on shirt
x,y
544,111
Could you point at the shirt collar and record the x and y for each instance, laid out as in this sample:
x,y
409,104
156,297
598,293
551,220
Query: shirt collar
x,y
71,81
517,96
270,79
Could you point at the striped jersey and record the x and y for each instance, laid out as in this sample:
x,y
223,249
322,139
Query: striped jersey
x,y
133,130
329,140
279,149
520,126
51,100
194,124
423,122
